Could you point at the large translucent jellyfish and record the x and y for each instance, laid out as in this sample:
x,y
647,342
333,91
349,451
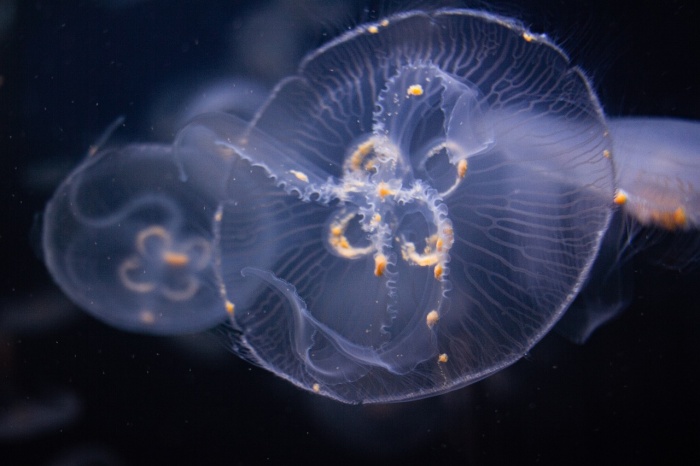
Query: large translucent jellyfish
x,y
409,214
442,205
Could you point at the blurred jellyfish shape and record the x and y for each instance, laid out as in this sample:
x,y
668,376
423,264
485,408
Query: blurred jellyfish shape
x,y
38,415
657,163
232,94
118,242
271,37
410,213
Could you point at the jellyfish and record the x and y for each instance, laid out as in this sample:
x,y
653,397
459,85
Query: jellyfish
x,y
408,214
117,240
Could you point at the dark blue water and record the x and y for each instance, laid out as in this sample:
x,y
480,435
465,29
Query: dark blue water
x,y
76,389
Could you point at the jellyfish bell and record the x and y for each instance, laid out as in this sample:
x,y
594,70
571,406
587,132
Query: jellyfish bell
x,y
439,206
117,241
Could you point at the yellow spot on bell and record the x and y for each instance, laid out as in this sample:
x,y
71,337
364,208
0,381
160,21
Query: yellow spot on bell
x,y
176,259
462,168
373,29
620,197
432,318
300,175
316,388
415,89
528,37
383,190
147,317
442,358
379,264
679,216
670,220
606,153
230,307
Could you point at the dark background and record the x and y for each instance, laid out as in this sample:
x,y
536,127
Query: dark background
x,y
81,393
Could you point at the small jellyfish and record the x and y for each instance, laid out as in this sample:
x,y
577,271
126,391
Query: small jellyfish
x,y
129,240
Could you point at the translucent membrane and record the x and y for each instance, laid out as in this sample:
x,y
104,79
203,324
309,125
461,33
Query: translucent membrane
x,y
131,242
434,201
